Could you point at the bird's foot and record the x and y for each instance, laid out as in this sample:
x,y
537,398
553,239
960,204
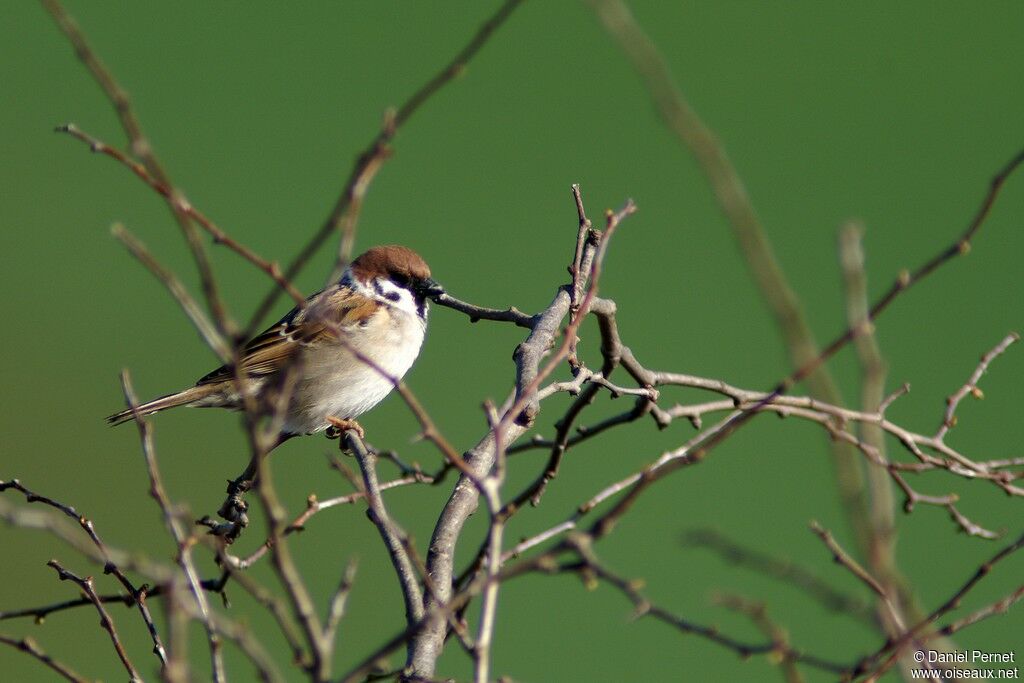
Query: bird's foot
x,y
339,427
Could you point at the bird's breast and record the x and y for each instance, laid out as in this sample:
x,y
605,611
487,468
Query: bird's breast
x,y
336,383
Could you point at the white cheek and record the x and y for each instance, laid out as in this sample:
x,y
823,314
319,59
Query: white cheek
x,y
397,297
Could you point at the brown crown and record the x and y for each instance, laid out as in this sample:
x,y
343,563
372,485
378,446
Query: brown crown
x,y
393,261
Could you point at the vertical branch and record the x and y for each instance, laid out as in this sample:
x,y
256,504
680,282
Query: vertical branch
x,y
587,269
750,235
284,565
182,539
390,533
489,603
177,670
881,529
580,268
429,640
336,608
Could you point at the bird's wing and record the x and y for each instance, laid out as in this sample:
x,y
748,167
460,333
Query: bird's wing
x,y
320,320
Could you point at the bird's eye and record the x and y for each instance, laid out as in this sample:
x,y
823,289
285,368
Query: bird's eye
x,y
393,296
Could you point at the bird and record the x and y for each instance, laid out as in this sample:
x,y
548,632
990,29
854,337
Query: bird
x,y
336,356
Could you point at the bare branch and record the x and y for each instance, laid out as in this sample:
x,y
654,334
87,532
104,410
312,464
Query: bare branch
x,y
175,528
781,570
141,148
271,268
873,664
971,386
206,329
31,648
345,213
843,558
133,596
751,237
390,533
315,505
105,621
288,574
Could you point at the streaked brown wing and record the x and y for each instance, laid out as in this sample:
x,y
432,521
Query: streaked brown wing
x,y
271,350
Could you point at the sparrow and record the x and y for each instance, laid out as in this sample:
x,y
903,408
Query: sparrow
x,y
378,309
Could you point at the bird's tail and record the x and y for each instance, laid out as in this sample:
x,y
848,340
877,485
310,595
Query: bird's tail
x,y
186,397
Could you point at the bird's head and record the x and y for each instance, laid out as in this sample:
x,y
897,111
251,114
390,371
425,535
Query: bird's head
x,y
397,276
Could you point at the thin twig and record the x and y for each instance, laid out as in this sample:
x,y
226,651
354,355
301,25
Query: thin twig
x,y
106,623
177,290
339,600
133,596
343,216
219,236
478,313
970,387
841,557
31,648
782,570
390,533
872,664
757,612
175,529
142,148
1000,606
751,237
315,505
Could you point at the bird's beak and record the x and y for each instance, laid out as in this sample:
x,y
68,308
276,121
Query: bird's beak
x,y
429,288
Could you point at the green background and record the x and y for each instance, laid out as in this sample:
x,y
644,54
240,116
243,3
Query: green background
x,y
896,114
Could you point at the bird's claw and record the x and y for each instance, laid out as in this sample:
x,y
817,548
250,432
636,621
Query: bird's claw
x,y
339,426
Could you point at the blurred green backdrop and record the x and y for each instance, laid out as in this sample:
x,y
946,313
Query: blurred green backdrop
x,y
896,114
